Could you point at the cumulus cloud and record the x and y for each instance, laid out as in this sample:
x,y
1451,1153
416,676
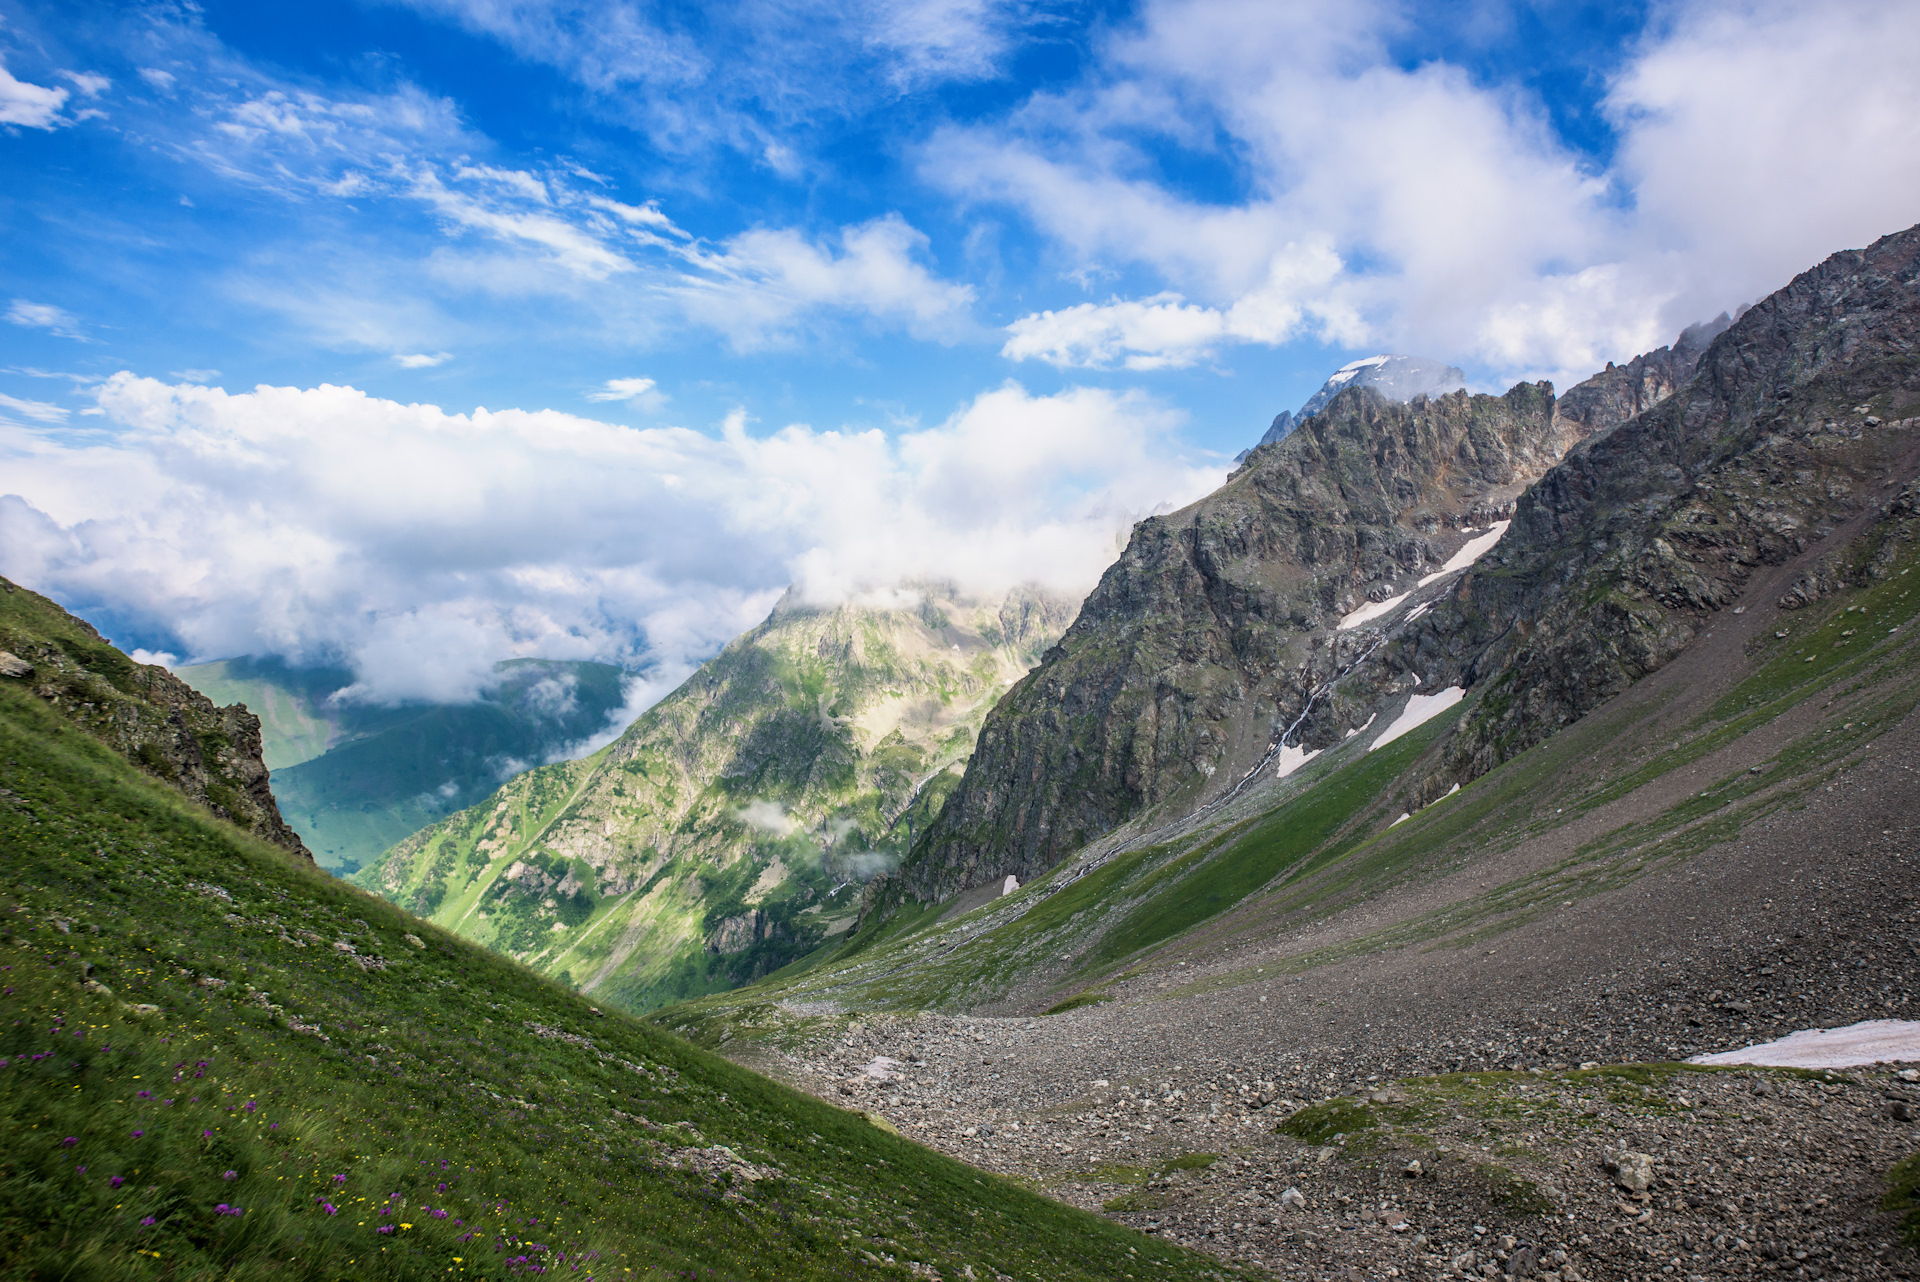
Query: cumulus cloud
x,y
421,546
29,105
766,816
1460,221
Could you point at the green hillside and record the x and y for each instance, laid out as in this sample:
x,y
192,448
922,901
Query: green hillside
x,y
219,1062
730,828
355,778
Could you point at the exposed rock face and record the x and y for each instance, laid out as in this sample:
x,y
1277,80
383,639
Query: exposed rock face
x,y
1206,636
1619,392
1211,635
162,725
1397,378
1796,427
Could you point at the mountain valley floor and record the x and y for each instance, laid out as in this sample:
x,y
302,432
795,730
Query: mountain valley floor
x,y
1262,1090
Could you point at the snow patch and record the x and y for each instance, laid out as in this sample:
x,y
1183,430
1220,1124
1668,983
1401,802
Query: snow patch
x,y
1371,610
1873,1041
1402,819
1362,726
1421,708
1011,884
1471,551
1291,759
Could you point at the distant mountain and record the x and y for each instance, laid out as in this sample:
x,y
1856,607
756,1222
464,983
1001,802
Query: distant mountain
x,y
1397,378
355,778
729,829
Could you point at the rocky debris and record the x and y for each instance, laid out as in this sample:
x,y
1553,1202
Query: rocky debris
x,y
717,1162
1631,1171
212,755
1722,1173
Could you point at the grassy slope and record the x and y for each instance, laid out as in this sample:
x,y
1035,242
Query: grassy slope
x,y
489,1117
846,719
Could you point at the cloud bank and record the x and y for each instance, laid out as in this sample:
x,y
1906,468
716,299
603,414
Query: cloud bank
x,y
422,546
1404,203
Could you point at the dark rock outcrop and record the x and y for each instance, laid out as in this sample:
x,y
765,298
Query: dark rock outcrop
x,y
1206,636
210,754
1797,430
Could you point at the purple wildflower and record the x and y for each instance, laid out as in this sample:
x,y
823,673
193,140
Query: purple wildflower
x,y
147,1223
339,1179
117,1181
206,1135
230,1175
69,1142
138,1134
144,1094
384,1228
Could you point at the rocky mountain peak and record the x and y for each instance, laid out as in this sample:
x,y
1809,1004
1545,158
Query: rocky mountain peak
x,y
1397,378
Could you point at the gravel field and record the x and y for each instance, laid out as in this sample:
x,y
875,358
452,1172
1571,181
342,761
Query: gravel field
x,y
1162,1105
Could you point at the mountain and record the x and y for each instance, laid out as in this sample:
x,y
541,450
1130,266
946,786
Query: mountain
x,y
1234,624
1397,378
1420,805
222,1062
210,754
729,829
354,778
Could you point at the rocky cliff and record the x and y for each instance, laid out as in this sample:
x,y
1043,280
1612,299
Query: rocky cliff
x,y
1796,432
162,725
1245,618
728,830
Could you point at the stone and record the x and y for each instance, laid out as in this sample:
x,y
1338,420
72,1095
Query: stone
x,y
1631,1171
1412,1169
12,665
1294,1199
1909,1074
416,941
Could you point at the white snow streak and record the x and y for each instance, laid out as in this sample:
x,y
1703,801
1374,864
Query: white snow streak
x,y
1292,758
1472,551
1371,610
1421,708
1871,1042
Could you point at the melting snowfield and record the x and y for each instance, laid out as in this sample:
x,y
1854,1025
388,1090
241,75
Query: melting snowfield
x,y
1471,551
1875,1041
1292,758
1420,709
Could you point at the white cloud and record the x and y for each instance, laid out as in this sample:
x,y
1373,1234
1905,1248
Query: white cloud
x,y
43,316
159,78
90,84
767,816
422,546
761,282
421,360
29,105
1464,227
195,375
1166,331
638,392
37,411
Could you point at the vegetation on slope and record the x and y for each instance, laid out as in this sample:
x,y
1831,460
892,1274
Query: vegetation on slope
x,y
729,830
216,1061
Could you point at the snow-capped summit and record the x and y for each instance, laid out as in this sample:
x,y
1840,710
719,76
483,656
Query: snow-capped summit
x,y
1399,378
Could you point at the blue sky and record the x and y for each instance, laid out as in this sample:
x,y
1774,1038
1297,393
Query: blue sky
x,y
753,291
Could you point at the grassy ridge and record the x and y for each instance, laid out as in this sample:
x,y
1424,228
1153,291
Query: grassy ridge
x,y
216,1064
